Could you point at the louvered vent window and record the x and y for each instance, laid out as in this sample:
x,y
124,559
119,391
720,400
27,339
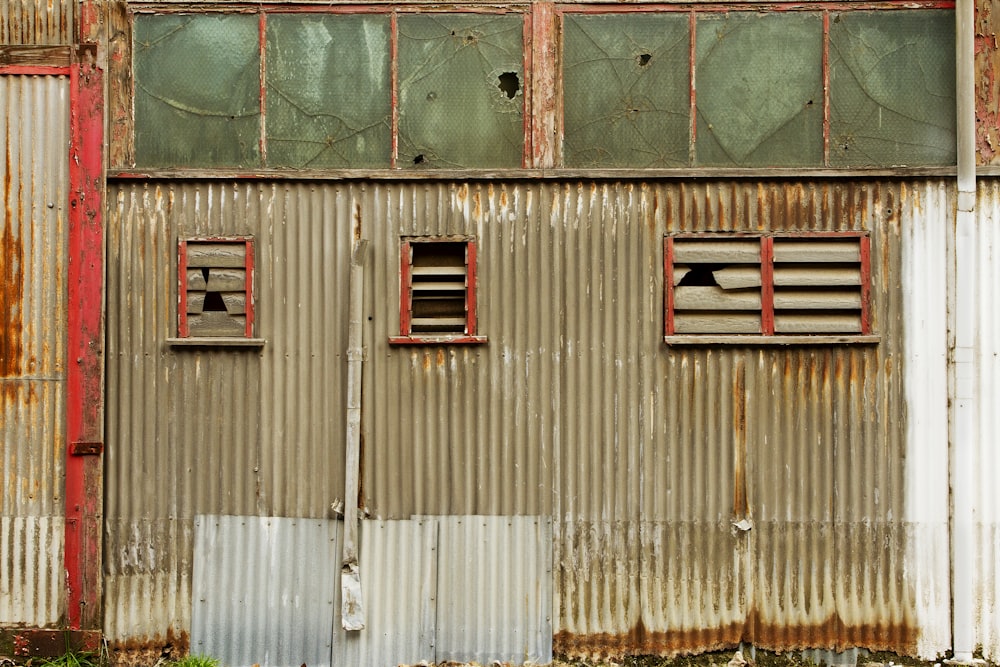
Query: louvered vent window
x,y
215,291
438,286
788,288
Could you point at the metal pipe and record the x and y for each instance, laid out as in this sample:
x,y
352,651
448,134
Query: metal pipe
x,y
352,604
963,418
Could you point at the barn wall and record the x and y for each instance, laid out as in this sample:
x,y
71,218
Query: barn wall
x,y
644,455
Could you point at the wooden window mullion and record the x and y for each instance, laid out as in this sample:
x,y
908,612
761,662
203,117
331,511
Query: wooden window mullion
x,y
668,273
767,285
470,288
182,319
405,289
866,272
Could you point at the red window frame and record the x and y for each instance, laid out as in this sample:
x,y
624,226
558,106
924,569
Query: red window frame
x,y
767,289
406,333
183,327
393,13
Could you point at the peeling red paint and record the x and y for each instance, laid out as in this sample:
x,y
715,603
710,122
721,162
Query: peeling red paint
x,y
987,59
84,378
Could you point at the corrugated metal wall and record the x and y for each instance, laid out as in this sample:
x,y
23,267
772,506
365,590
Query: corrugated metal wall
x,y
987,364
34,140
927,221
644,454
37,22
268,591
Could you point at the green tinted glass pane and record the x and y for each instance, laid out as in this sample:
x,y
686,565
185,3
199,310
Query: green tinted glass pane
x,y
328,91
626,90
759,99
197,90
461,90
892,88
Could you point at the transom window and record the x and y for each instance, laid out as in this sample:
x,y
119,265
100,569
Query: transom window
x,y
382,88
667,86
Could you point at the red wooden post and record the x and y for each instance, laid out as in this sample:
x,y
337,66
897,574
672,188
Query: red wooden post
x,y
84,367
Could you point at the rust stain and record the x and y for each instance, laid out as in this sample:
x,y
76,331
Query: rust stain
x,y
477,206
357,221
832,633
148,651
427,361
503,198
440,358
11,287
740,503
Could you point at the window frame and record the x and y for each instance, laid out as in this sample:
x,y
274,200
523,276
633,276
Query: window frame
x,y
542,90
392,12
693,12
767,336
406,335
184,336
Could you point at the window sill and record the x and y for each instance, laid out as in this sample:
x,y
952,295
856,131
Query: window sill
x,y
217,341
437,340
754,340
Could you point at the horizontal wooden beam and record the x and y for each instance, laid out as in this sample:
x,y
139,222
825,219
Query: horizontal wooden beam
x,y
21,55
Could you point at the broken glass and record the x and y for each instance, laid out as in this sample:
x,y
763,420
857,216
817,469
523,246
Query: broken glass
x,y
197,90
461,90
328,91
626,90
759,92
892,88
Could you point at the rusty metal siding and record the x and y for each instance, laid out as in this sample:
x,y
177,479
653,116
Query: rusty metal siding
x,y
34,140
987,519
236,431
644,455
42,22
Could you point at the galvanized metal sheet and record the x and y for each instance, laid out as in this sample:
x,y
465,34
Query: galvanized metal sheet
x,y
494,592
928,209
263,590
399,584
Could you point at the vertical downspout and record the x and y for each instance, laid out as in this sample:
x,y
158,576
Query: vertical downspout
x,y
963,418
352,611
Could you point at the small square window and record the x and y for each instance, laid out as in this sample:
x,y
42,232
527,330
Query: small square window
x,y
809,288
215,288
437,292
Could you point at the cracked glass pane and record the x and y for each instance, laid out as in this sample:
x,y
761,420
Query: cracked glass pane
x,y
759,90
626,90
892,88
197,90
328,91
461,90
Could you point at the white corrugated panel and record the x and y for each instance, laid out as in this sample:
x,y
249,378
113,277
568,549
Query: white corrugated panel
x,y
987,409
928,212
31,570
263,590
